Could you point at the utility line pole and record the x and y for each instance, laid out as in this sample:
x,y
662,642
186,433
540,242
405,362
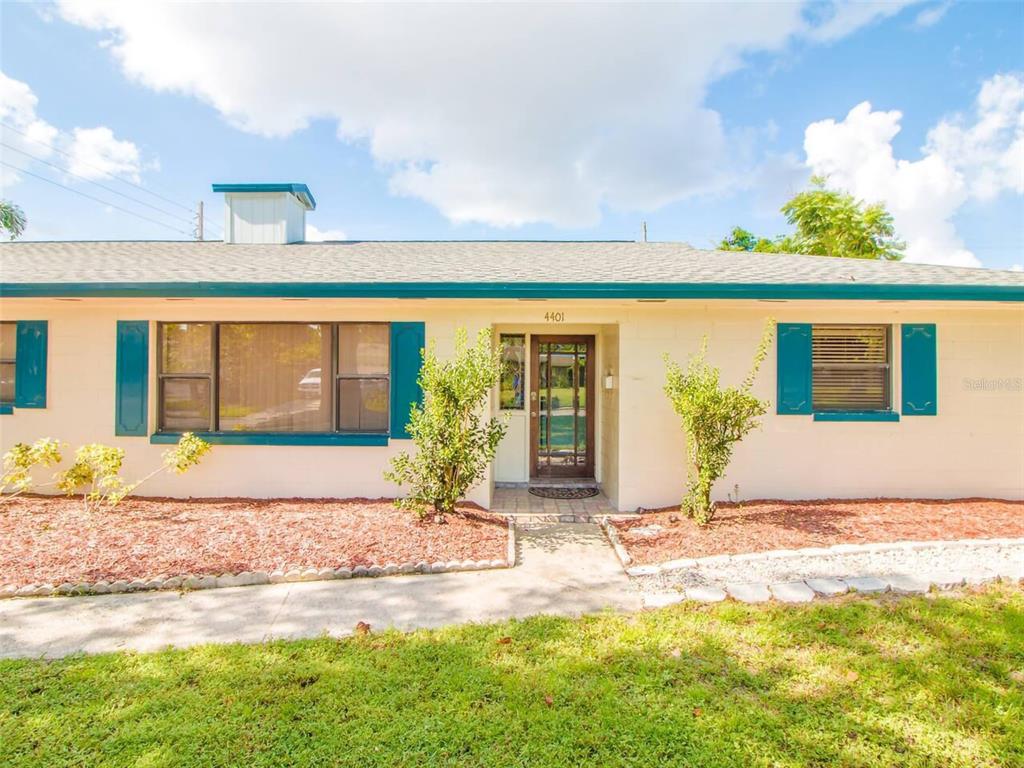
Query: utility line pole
x,y
199,222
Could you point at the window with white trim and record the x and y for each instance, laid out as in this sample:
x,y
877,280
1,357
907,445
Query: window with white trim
x,y
851,367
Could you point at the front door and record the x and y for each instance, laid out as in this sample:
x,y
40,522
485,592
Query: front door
x,y
561,406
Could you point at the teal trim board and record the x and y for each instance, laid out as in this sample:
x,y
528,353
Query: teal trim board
x,y
274,438
6,409
889,416
301,191
30,364
519,290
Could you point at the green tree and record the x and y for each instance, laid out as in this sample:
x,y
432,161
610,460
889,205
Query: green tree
x,y
714,419
12,219
455,443
828,222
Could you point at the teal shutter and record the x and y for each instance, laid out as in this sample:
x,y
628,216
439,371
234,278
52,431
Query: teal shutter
x,y
407,342
131,405
794,368
919,371
30,364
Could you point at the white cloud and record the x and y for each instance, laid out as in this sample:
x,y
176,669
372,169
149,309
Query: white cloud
x,y
931,16
18,109
838,20
95,153
960,161
314,235
503,114
989,152
89,152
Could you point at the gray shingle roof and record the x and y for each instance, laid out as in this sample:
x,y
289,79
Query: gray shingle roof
x,y
457,262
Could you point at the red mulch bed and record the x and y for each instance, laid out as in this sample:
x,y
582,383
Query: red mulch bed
x,y
53,540
758,526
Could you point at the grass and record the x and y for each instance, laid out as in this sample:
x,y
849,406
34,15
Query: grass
x,y
856,682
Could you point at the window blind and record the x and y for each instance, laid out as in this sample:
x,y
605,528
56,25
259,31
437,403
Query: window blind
x,y
850,367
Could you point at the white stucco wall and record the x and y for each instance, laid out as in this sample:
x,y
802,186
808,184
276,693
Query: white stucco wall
x,y
973,447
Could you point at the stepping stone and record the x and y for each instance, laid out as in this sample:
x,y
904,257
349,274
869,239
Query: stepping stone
x,y
828,587
705,594
661,599
867,584
907,585
749,593
792,592
944,580
977,578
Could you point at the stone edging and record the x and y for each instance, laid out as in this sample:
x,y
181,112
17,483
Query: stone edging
x,y
775,554
613,538
251,578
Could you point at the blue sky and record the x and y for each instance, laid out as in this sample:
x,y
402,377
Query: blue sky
x,y
694,121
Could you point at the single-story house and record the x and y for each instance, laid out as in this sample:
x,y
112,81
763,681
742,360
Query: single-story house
x,y
300,360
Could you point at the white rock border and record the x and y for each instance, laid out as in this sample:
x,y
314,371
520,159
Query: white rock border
x,y
191,581
825,587
774,554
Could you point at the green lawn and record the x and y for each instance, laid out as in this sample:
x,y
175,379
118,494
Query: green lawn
x,y
934,681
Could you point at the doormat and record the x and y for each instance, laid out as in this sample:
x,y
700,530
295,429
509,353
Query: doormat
x,y
563,492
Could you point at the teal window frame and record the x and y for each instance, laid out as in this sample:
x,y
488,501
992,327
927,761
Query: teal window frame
x,y
332,380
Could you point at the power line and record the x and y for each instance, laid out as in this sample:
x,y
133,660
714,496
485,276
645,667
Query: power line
x,y
95,199
96,167
91,181
104,172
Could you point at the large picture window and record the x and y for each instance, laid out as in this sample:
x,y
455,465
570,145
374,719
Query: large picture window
x,y
851,367
274,377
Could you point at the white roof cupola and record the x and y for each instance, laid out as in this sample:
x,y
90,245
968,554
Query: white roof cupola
x,y
265,213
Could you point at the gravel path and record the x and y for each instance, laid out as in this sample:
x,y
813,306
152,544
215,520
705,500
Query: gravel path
x,y
974,562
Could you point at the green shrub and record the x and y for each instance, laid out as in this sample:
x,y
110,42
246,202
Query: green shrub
x,y
714,419
96,472
22,459
454,442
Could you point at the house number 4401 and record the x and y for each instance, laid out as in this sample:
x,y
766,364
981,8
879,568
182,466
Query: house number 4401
x,y
555,317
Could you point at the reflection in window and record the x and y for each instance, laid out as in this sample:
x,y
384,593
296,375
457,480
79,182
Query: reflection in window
x,y
186,380
513,371
8,355
274,377
270,377
363,386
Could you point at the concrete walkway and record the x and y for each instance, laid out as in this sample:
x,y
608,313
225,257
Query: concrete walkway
x,y
564,569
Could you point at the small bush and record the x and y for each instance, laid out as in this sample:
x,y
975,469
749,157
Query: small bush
x,y
455,443
96,473
22,459
714,419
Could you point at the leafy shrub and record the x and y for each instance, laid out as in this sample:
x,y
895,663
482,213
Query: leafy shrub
x,y
22,459
714,419
96,472
455,444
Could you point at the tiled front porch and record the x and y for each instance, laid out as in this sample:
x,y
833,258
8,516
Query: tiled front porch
x,y
519,502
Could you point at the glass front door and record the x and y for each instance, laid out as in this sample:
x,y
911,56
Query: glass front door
x,y
561,411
